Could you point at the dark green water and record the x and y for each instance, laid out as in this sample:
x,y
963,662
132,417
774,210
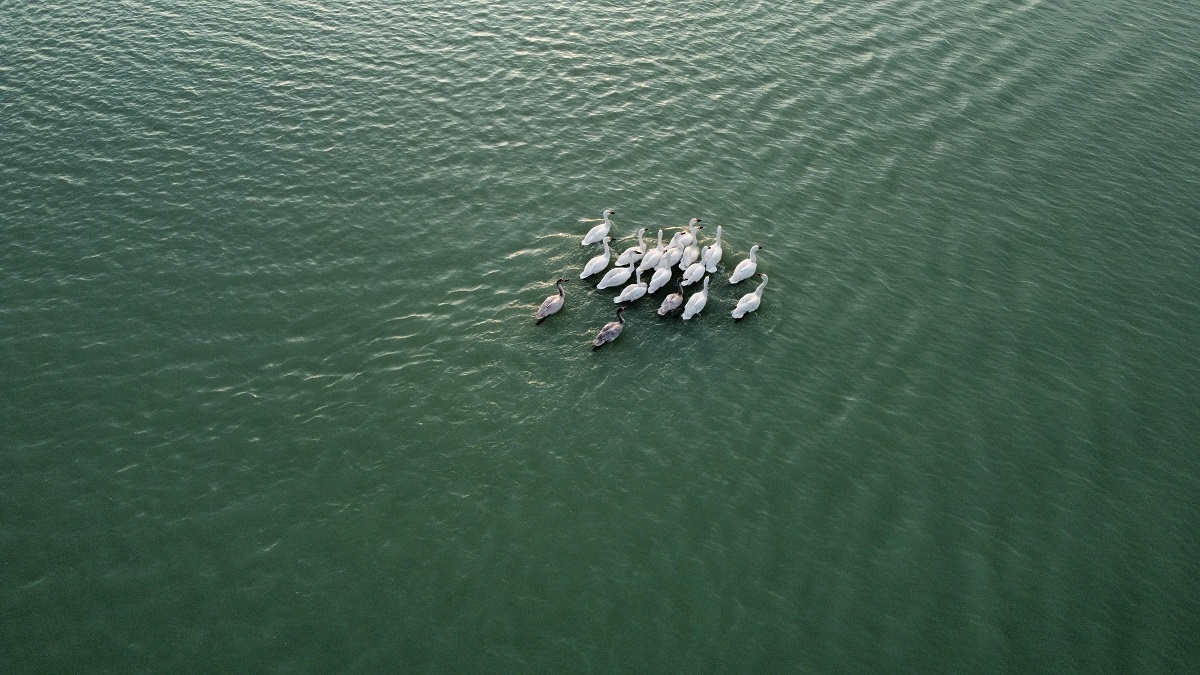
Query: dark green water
x,y
273,399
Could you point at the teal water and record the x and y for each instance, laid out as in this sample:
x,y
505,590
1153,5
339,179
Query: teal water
x,y
273,398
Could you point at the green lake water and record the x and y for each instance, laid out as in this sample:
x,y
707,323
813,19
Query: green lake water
x,y
273,398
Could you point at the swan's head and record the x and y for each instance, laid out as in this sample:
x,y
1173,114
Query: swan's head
x,y
561,281
693,221
756,247
608,212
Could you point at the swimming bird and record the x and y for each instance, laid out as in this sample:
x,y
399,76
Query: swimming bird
x,y
673,253
650,260
598,263
632,291
696,302
551,304
714,254
691,251
688,236
746,268
662,276
634,253
600,231
616,276
611,330
750,301
693,273
672,301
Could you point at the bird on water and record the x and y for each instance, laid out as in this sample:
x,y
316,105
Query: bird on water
x,y
611,330
551,304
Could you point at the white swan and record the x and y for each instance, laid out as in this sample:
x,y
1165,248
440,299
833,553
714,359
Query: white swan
x,y
600,231
611,330
746,268
750,301
616,277
650,260
634,253
662,276
696,302
673,253
598,263
632,291
713,256
551,304
688,237
693,273
691,251
672,301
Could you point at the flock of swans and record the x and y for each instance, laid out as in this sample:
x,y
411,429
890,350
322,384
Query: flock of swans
x,y
683,252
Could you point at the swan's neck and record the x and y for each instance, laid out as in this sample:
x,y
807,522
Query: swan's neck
x,y
605,242
718,235
660,246
753,255
641,242
561,293
759,290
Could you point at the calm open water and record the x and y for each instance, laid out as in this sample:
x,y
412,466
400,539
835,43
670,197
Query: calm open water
x,y
273,399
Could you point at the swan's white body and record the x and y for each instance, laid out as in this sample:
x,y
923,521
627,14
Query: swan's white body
x,y
650,260
634,253
551,304
673,253
599,232
611,330
746,268
750,301
661,277
689,237
632,291
713,255
671,302
616,277
693,273
598,263
696,303
691,246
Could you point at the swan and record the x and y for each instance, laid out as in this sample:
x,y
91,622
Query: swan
x,y
616,276
600,231
696,302
610,331
551,304
662,276
746,268
634,253
650,260
693,273
691,251
714,254
672,301
598,263
632,291
750,301
688,237
673,253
